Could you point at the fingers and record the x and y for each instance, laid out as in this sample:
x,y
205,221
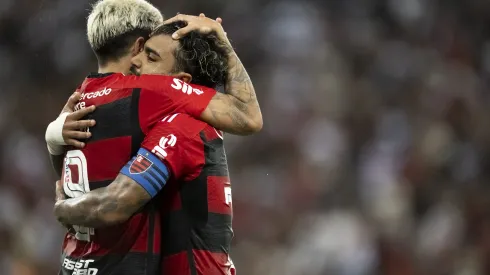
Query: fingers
x,y
190,28
81,113
75,143
79,124
178,17
72,101
70,134
219,20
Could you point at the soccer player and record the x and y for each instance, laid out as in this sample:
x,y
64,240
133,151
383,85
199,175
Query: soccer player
x,y
128,107
195,206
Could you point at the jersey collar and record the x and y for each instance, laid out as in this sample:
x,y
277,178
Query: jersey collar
x,y
98,75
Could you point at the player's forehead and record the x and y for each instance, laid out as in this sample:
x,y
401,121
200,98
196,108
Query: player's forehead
x,y
164,45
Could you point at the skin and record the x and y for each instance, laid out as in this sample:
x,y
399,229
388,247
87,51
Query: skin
x,y
118,201
237,111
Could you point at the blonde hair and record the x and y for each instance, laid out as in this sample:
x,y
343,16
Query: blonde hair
x,y
112,19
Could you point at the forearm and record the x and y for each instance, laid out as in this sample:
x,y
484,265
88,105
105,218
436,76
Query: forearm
x,y
57,163
237,111
238,83
93,209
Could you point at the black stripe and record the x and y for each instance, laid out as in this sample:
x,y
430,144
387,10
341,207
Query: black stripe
x,y
163,174
214,236
192,263
215,157
111,120
151,235
132,263
137,135
98,75
155,185
156,178
99,184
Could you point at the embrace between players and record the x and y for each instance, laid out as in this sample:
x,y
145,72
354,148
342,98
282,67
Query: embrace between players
x,y
144,183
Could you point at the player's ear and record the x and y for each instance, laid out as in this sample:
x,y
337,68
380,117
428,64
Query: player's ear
x,y
187,78
138,46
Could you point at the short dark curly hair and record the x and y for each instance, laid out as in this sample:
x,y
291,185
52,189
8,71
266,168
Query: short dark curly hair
x,y
202,56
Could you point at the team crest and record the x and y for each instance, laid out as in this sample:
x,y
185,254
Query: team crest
x,y
140,165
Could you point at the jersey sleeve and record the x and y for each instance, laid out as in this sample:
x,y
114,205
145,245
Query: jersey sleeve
x,y
148,171
172,148
162,95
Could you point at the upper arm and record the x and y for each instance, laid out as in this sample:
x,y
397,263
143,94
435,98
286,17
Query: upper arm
x,y
175,141
161,95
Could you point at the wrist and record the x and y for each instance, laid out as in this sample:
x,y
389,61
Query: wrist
x,y
54,135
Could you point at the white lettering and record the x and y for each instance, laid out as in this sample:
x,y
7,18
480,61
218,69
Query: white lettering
x,y
165,142
184,87
104,92
79,105
80,267
177,84
228,195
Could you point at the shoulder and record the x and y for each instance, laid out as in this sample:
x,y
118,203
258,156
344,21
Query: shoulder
x,y
149,82
182,124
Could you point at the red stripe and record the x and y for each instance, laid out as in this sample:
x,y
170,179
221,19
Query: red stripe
x,y
216,195
105,158
206,263
138,167
211,263
146,162
176,264
98,85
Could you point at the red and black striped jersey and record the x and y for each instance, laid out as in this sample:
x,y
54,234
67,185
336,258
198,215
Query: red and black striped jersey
x,y
195,204
127,108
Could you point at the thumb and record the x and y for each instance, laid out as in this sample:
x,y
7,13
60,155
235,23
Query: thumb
x,y
72,101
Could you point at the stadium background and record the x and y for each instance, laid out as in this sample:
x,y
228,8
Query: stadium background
x,y
374,157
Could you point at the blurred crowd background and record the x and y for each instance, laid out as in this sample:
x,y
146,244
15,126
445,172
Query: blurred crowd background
x,y
375,152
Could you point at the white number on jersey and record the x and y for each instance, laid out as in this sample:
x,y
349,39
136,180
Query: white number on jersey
x,y
75,184
228,195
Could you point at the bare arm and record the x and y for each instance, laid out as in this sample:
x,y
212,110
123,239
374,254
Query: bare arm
x,y
238,107
105,206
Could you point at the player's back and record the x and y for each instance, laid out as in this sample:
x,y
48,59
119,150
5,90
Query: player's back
x,y
126,109
196,202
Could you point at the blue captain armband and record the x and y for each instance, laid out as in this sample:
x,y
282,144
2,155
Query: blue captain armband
x,y
148,171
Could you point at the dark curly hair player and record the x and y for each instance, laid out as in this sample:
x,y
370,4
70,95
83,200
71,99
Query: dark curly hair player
x,y
201,58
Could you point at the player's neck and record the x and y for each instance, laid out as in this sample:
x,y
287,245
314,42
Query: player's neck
x,y
113,67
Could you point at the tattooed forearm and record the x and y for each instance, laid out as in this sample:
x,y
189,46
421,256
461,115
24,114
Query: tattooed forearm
x,y
105,206
238,83
237,111
229,115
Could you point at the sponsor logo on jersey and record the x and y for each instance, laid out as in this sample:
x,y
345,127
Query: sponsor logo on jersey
x,y
80,267
104,92
180,85
140,165
165,142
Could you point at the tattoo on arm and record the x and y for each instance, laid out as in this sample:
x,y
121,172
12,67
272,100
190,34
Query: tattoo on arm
x,y
237,111
105,206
